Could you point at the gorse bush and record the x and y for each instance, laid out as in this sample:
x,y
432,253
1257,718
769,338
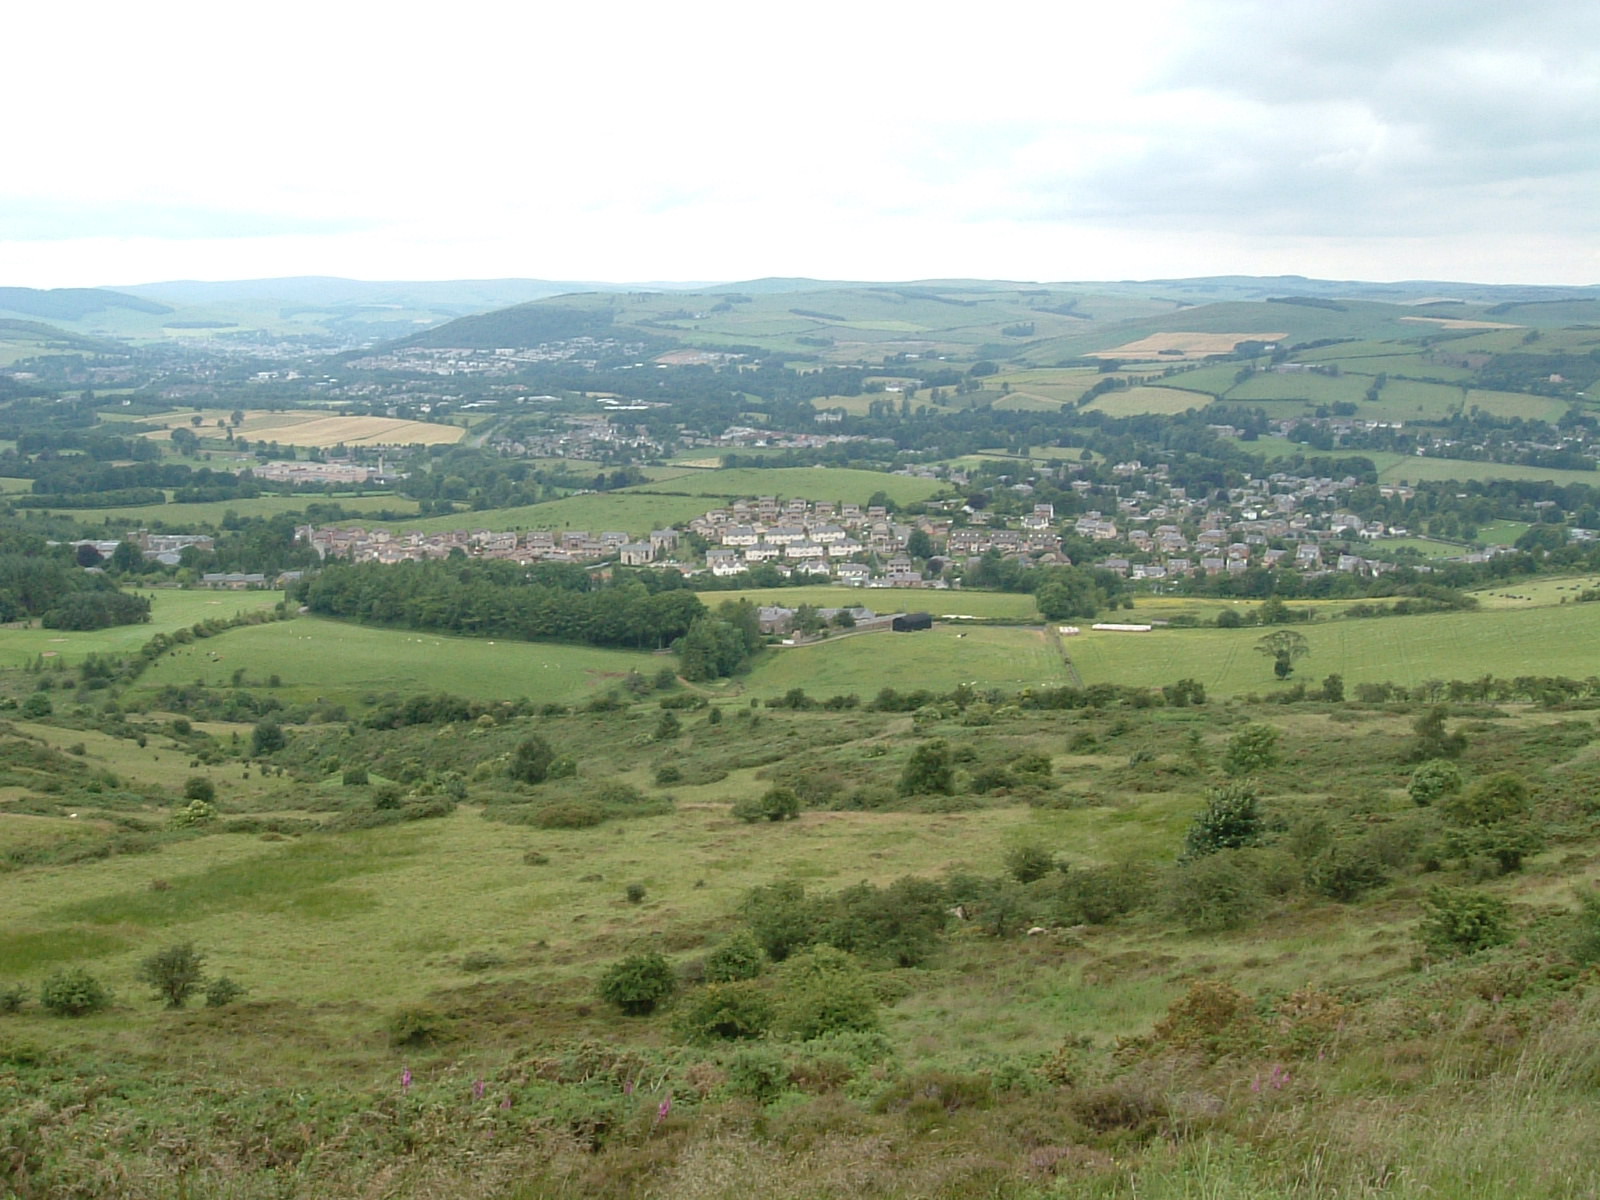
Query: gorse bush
x,y
1459,921
637,984
739,956
1434,780
724,1012
73,992
1230,820
1253,748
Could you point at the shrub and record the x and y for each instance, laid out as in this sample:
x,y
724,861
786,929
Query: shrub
x,y
531,760
37,705
667,775
1230,820
1253,748
1431,739
1028,862
1502,796
1097,895
355,776
636,984
776,804
759,1073
928,770
724,1012
1586,928
1215,892
568,814
196,812
823,991
1433,780
416,1025
175,973
535,858
781,918
635,893
1459,921
12,998
1343,873
266,738
223,991
73,992
198,787
668,726
738,957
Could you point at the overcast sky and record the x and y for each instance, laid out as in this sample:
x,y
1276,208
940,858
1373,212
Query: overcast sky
x,y
1351,139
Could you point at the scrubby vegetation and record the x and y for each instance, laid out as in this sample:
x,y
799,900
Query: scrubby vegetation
x,y
1117,943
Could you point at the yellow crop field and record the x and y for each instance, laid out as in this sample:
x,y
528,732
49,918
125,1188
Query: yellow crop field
x,y
302,428
1181,345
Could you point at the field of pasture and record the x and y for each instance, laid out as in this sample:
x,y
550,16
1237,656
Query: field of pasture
x,y
213,512
170,609
937,659
343,663
1139,401
1522,638
1004,606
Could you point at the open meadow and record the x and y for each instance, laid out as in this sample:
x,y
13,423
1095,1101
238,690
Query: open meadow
x,y
1004,606
341,663
1511,638
170,609
938,659
214,512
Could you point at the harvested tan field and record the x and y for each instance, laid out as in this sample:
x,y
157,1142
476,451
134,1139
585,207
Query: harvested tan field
x,y
1184,345
315,429
1457,323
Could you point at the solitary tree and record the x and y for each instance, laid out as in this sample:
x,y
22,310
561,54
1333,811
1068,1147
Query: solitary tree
x,y
531,761
928,770
1283,646
175,973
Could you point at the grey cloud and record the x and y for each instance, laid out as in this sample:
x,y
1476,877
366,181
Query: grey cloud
x,y
1410,118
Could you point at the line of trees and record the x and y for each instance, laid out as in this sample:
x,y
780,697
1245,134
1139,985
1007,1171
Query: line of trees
x,y
502,600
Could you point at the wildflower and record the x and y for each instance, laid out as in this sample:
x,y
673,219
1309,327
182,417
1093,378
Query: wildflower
x,y
477,1089
663,1110
627,1088
506,1103
405,1080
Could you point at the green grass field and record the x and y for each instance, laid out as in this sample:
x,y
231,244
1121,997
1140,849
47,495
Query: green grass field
x,y
159,516
341,663
1139,401
170,609
1412,469
1004,606
937,659
1525,638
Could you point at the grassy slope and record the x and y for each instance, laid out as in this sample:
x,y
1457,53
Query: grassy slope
x,y
170,609
212,512
342,662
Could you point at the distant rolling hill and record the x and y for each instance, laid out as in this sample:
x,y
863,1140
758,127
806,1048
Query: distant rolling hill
x,y
1022,324
72,304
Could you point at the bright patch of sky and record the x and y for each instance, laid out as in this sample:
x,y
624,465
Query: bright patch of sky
x,y
1369,139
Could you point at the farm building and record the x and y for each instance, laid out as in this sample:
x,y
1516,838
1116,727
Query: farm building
x,y
911,622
